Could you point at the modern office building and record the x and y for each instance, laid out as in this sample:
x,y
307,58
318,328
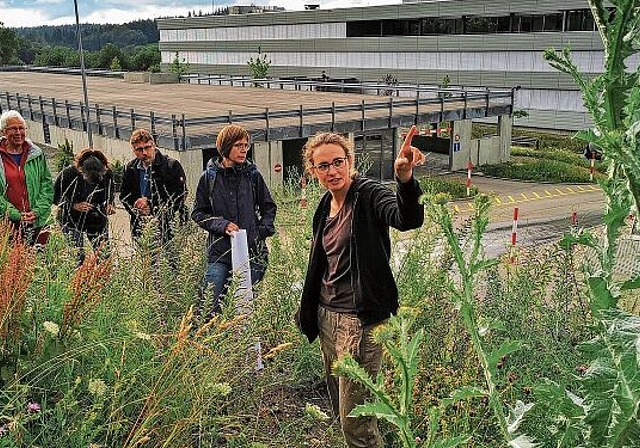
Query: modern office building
x,y
496,43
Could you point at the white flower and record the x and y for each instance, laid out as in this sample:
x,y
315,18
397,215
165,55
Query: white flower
x,y
143,336
97,387
52,328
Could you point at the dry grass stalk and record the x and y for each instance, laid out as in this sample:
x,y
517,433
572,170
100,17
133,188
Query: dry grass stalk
x,y
17,263
87,286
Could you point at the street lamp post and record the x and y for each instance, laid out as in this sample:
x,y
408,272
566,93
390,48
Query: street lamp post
x,y
83,74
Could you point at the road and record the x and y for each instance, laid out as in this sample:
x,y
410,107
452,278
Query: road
x,y
544,211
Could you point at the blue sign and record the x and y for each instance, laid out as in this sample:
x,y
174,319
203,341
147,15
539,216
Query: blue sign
x,y
456,146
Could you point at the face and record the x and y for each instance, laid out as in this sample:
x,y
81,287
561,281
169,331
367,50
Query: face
x,y
332,167
238,153
145,152
15,132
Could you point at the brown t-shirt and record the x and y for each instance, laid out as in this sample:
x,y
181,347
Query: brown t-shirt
x,y
336,292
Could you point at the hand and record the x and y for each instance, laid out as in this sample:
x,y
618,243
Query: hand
x,y
82,207
142,205
28,217
111,210
231,228
408,157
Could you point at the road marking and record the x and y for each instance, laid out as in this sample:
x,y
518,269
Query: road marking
x,y
548,193
456,208
580,188
571,190
560,192
511,200
498,201
537,195
524,196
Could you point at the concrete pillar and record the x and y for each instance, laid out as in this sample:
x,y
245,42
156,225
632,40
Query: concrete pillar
x,y
504,132
461,150
268,158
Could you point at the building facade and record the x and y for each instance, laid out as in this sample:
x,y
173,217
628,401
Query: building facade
x,y
496,43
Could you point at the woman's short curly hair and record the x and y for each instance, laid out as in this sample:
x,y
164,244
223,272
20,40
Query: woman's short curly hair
x,y
326,138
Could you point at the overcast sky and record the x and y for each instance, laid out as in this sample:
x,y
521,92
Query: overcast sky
x,y
15,13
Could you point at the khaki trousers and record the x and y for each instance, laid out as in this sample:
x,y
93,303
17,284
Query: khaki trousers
x,y
341,334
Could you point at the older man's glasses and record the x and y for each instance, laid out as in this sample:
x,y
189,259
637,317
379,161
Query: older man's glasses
x,y
15,128
336,163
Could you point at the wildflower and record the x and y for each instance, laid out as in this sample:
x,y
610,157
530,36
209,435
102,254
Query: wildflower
x,y
51,327
33,406
220,389
4,429
315,412
275,350
143,336
97,387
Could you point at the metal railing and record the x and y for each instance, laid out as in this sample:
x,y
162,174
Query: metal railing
x,y
181,133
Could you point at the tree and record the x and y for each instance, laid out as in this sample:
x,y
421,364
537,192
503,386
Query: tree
x,y
8,45
178,66
146,57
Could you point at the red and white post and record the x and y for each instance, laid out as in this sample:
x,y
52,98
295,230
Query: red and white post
x,y
574,218
514,233
469,169
592,165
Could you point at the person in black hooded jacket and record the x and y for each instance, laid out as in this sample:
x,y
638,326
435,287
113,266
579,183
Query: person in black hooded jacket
x,y
349,288
84,193
233,195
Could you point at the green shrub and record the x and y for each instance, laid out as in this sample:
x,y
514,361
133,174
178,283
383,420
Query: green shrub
x,y
541,170
561,155
64,155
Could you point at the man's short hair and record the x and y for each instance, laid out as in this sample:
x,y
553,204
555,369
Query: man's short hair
x,y
141,136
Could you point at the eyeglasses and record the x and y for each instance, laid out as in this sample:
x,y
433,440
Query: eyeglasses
x,y
16,128
143,148
241,146
336,163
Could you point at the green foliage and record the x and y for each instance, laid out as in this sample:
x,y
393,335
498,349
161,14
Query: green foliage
x,y
117,168
541,170
453,187
94,36
259,66
181,67
64,155
403,349
610,387
8,45
115,64
470,263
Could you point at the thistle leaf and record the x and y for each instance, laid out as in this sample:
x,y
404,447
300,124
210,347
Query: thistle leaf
x,y
522,442
516,414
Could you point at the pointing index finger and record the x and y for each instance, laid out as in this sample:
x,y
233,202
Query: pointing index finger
x,y
407,140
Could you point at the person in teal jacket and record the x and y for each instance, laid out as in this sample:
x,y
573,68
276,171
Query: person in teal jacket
x,y
26,188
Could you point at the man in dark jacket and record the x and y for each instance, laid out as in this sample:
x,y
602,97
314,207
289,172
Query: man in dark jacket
x,y
153,187
233,195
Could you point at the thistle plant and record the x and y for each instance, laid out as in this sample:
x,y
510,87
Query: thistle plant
x,y
470,262
404,350
607,413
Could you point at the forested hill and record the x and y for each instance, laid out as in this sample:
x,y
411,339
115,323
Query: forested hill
x,y
94,36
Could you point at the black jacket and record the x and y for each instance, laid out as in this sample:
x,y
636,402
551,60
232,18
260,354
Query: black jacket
x,y
375,208
71,188
240,195
168,191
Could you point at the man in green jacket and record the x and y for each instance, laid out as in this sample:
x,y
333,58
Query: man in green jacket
x,y
26,189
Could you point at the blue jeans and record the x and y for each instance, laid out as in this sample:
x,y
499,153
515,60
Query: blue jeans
x,y
218,276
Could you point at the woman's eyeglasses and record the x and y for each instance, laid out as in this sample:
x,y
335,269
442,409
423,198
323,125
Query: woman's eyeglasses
x,y
336,163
